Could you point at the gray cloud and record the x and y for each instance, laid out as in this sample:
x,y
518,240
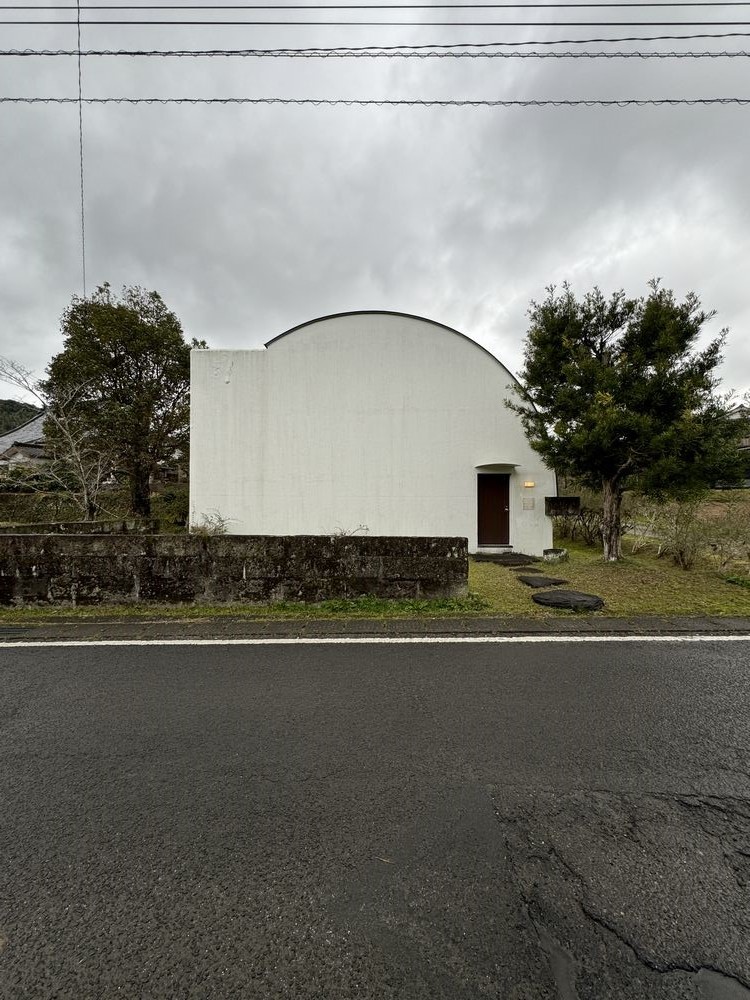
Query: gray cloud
x,y
250,220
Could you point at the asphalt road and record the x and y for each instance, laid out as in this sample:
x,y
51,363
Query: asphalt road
x,y
375,821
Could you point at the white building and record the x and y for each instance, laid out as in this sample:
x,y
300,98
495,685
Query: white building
x,y
372,422
741,412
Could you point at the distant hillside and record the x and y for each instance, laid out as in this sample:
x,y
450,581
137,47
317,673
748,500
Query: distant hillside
x,y
13,413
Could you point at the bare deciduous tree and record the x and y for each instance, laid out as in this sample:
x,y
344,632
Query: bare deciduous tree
x,y
75,466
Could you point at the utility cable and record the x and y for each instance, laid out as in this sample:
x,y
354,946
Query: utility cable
x,y
382,6
385,24
712,36
371,53
80,151
361,102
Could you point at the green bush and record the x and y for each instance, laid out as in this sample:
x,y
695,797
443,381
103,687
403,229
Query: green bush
x,y
171,507
30,508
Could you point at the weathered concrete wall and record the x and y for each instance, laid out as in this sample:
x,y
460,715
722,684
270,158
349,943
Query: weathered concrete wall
x,y
115,527
100,569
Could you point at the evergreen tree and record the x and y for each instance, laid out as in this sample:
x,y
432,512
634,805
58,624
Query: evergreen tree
x,y
616,395
126,364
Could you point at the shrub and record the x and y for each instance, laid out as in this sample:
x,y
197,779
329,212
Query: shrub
x,y
642,517
729,536
212,523
172,506
681,531
586,525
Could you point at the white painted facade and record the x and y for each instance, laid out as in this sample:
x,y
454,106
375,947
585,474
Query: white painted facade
x,y
376,421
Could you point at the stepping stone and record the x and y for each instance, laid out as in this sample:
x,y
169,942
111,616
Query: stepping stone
x,y
506,558
572,600
541,581
525,569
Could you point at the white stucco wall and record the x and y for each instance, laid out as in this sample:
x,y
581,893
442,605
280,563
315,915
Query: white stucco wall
x,y
371,419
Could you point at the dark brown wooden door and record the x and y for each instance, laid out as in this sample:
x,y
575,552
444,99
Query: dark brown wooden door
x,y
493,502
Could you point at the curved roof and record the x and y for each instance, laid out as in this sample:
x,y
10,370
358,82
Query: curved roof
x,y
390,312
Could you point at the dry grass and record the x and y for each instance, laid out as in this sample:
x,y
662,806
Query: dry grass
x,y
719,500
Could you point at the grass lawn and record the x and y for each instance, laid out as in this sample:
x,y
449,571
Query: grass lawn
x,y
363,607
639,585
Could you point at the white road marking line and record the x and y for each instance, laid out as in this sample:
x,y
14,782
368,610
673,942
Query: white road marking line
x,y
374,640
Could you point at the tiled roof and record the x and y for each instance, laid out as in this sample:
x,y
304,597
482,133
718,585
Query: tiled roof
x,y
31,431
25,450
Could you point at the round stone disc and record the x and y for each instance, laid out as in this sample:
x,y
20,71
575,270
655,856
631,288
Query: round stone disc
x,y
572,600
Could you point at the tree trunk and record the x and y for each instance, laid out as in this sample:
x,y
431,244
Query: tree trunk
x,y
87,502
140,491
84,502
611,524
89,508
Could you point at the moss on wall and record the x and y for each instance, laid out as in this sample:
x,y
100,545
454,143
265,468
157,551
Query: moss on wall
x,y
101,569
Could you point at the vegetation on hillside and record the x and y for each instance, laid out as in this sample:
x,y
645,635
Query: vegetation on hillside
x,y
13,413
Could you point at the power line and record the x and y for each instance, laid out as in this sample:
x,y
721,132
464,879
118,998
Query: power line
x,y
383,6
371,53
386,24
80,150
385,103
713,36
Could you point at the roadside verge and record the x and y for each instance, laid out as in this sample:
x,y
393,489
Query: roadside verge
x,y
244,628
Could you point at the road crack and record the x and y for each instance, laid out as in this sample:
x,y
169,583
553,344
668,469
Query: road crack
x,y
654,964
562,964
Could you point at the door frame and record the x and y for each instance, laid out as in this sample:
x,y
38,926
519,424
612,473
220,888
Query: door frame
x,y
494,544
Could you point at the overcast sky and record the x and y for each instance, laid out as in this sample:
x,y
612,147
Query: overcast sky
x,y
250,220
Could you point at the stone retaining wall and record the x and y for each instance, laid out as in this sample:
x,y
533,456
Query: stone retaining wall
x,y
128,526
101,569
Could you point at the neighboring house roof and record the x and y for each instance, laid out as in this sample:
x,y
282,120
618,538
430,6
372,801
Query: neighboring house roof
x,y
32,430
25,443
31,451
